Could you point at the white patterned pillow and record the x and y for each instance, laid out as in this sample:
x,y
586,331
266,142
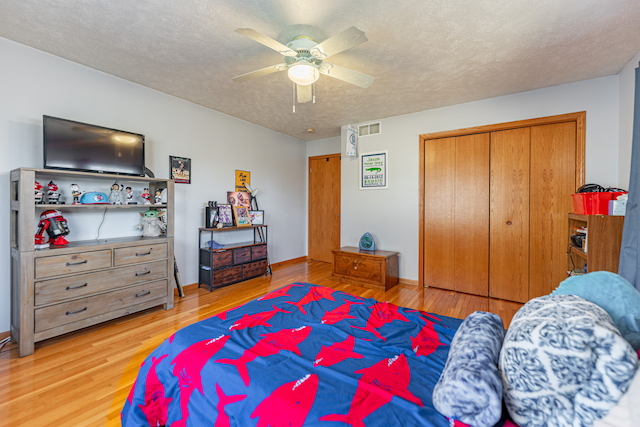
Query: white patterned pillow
x,y
563,363
470,389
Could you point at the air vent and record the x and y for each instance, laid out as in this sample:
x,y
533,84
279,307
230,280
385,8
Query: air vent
x,y
369,129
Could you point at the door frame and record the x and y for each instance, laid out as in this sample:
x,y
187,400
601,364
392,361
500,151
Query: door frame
x,y
579,118
339,155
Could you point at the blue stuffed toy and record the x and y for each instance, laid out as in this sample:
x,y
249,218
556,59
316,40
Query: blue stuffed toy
x,y
613,294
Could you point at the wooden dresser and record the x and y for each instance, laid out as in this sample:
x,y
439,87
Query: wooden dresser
x,y
370,269
62,289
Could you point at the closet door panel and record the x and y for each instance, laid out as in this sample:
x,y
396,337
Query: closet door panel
x,y
553,175
472,214
439,204
509,210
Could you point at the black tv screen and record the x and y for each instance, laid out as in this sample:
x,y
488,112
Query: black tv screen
x,y
82,147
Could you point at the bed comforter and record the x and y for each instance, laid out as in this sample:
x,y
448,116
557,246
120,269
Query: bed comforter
x,y
301,355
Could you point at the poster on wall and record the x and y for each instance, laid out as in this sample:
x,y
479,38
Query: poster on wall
x,y
352,140
242,178
373,171
180,169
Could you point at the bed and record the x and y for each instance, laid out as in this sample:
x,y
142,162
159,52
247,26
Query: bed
x,y
303,354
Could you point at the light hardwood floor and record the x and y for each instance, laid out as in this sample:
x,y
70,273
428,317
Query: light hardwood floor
x,y
83,378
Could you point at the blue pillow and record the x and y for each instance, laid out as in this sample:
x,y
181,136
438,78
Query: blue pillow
x,y
470,387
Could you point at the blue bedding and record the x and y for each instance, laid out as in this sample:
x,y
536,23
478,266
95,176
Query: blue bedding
x,y
301,355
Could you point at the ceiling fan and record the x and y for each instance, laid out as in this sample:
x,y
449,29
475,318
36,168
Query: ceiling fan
x,y
304,60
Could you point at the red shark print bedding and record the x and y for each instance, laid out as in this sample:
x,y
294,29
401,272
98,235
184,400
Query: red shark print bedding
x,y
301,355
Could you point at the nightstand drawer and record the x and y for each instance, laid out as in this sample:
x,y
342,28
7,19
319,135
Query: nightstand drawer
x,y
58,265
57,290
84,308
137,254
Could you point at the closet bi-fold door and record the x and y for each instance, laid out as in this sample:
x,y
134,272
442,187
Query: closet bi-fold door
x,y
553,177
456,221
509,211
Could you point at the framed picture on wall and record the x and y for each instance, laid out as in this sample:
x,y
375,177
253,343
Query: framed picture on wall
x,y
180,170
373,171
241,214
238,198
225,215
257,217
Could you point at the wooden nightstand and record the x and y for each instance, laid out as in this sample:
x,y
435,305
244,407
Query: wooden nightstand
x,y
369,269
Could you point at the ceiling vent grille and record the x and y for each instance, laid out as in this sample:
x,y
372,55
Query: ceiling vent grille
x,y
369,129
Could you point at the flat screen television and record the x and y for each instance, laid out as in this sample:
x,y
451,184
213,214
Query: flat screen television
x,y
83,147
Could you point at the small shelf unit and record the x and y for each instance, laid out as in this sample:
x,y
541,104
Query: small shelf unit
x,y
234,262
604,238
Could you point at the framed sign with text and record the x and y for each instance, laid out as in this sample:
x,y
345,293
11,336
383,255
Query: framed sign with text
x,y
373,171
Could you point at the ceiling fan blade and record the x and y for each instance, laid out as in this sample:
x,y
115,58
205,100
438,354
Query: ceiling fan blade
x,y
347,39
304,93
260,72
346,75
267,41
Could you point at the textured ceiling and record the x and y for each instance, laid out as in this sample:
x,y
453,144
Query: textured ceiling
x,y
423,54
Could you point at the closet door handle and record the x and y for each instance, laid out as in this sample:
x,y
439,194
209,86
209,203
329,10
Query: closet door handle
x,y
77,263
509,223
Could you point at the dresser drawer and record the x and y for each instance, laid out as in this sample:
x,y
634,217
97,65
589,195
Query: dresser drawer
x,y
254,269
258,252
84,308
222,259
241,255
58,265
359,267
137,254
56,290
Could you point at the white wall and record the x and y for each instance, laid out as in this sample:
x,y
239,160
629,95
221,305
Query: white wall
x,y
627,87
33,83
319,147
392,215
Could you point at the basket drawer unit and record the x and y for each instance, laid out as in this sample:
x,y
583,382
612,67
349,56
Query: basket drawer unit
x,y
85,308
65,288
241,255
258,252
58,265
222,259
254,269
138,254
227,275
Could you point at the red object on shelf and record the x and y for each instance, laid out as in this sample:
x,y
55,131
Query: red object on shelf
x,y
594,203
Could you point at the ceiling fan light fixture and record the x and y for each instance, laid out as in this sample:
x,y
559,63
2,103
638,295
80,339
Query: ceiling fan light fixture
x,y
303,73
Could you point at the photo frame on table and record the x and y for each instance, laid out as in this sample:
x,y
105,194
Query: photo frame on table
x,y
241,215
210,217
239,198
180,170
257,217
225,215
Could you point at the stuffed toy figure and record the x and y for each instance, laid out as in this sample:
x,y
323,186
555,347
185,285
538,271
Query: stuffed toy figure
x,y
614,294
152,224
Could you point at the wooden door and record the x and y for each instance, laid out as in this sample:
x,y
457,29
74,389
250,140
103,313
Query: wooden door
x,y
553,173
472,214
439,210
324,206
509,210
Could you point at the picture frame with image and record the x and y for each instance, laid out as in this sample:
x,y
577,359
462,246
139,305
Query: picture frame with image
x,y
225,215
241,216
257,217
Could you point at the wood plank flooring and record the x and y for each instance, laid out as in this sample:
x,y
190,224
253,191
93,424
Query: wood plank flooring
x,y
83,378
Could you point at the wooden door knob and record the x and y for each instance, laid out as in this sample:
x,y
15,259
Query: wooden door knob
x,y
509,222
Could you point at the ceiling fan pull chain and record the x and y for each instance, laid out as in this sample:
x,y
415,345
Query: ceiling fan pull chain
x,y
294,97
314,93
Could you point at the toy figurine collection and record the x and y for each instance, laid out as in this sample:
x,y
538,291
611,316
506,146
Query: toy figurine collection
x,y
53,223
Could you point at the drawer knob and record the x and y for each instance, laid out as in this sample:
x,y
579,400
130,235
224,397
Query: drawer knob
x,y
142,274
77,263
146,253
143,294
76,287
76,312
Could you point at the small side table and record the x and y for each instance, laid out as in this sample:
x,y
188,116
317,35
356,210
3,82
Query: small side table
x,y
369,269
